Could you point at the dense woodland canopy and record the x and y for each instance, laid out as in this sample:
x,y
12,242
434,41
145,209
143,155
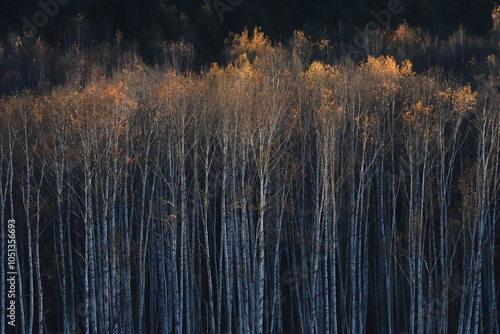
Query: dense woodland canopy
x,y
288,189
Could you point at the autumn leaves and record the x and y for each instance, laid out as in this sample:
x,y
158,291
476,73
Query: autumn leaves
x,y
182,197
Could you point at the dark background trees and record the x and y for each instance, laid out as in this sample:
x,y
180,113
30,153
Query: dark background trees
x,y
198,22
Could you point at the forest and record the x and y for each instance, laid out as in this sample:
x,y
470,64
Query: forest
x,y
288,188
206,23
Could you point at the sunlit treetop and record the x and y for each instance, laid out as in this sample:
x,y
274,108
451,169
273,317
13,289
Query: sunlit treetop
x,y
495,15
102,106
386,67
257,43
419,119
464,100
383,75
320,74
405,34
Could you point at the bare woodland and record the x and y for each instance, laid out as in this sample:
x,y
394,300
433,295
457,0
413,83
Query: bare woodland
x,y
283,192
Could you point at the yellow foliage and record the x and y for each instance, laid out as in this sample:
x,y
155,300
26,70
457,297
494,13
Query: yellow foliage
x,y
301,45
406,69
116,95
368,126
238,82
404,33
464,100
445,95
300,36
386,67
495,15
324,43
384,75
242,67
491,59
41,106
320,74
461,101
257,44
420,119
101,106
329,107
172,90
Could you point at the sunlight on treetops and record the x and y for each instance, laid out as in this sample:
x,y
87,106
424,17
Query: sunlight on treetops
x,y
419,118
491,60
241,67
301,45
110,98
173,91
99,105
42,106
458,102
383,75
330,108
444,95
404,33
319,74
240,72
257,44
495,16
464,100
386,67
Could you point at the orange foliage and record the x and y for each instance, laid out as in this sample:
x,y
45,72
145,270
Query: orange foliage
x,y
329,107
301,46
495,15
237,84
320,75
242,43
102,106
386,67
464,100
404,33
419,119
368,125
176,88
458,102
385,74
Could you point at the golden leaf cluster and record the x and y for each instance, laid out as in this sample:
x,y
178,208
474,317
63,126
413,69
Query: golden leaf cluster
x,y
386,67
404,33
320,74
257,43
383,74
495,16
419,119
101,106
329,108
464,100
